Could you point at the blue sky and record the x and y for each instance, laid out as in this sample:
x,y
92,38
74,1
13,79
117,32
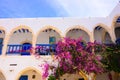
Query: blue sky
x,y
56,8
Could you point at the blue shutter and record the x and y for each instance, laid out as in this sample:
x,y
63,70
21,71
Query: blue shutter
x,y
52,40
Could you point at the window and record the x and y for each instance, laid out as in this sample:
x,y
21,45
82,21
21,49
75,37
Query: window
x,y
52,40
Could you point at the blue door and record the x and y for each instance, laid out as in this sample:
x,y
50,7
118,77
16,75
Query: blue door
x,y
26,49
24,77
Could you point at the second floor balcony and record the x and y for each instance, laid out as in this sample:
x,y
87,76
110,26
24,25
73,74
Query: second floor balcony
x,y
26,49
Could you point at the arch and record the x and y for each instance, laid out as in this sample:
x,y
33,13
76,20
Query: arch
x,y
114,21
3,28
56,33
2,41
3,74
103,26
20,27
26,42
117,32
86,31
51,27
27,69
113,26
78,27
106,29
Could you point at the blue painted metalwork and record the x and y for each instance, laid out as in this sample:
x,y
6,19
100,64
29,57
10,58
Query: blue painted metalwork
x,y
18,49
41,49
1,45
45,49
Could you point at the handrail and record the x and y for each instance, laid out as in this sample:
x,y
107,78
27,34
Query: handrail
x,y
46,49
18,49
41,49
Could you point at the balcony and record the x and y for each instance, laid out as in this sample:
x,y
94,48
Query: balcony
x,y
41,49
45,49
18,49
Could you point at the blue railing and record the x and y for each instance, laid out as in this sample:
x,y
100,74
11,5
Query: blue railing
x,y
41,49
1,45
19,49
45,49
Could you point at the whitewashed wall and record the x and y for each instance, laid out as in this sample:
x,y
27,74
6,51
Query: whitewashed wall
x,y
36,24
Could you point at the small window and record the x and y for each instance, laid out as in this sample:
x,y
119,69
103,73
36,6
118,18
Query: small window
x,y
52,40
33,76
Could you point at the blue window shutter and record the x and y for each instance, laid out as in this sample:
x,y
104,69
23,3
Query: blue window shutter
x,y
52,40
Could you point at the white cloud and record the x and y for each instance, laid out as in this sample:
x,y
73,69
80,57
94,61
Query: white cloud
x,y
86,8
60,9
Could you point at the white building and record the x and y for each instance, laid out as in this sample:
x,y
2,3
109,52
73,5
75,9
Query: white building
x,y
17,35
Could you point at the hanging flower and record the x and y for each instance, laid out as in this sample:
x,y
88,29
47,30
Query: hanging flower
x,y
45,70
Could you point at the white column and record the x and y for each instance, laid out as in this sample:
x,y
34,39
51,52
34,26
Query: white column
x,y
5,43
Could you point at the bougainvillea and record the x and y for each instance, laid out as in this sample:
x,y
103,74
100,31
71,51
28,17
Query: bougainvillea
x,y
45,70
74,56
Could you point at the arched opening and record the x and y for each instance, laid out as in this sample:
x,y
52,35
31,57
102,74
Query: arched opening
x,y
101,35
48,36
76,33
2,36
46,41
107,38
18,37
117,32
2,77
117,28
30,74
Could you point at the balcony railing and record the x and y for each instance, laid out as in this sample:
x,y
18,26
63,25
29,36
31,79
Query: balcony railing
x,y
41,49
45,49
1,45
18,49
